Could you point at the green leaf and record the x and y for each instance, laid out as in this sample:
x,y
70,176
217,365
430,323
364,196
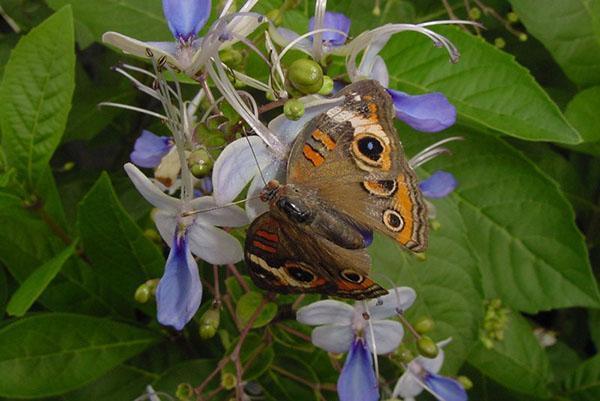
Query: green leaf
x,y
518,362
249,303
278,385
61,352
518,224
575,42
582,112
192,372
37,282
140,19
563,360
584,383
594,325
114,243
3,290
36,95
489,89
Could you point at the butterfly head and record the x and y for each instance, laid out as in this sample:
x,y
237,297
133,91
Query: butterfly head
x,y
270,191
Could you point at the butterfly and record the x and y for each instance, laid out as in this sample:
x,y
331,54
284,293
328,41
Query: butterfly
x,y
346,176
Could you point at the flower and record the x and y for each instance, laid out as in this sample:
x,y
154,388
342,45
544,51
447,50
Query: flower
x,y
339,323
149,149
187,230
430,112
186,17
358,382
438,185
333,21
421,373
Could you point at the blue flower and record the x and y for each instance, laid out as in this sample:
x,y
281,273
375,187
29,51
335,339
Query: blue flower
x,y
179,291
439,185
337,21
357,382
186,17
430,112
149,149
422,374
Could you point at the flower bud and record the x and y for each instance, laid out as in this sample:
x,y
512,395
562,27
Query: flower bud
x,y
500,43
200,162
523,37
231,57
403,354
465,382
293,109
427,347
435,225
305,75
474,13
184,392
512,17
424,325
327,87
421,256
142,294
228,380
209,323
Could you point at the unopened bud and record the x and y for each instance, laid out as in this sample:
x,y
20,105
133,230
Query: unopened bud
x,y
231,57
403,354
512,17
500,43
142,294
209,323
424,325
184,392
420,256
474,13
523,37
427,347
200,162
228,380
293,109
327,87
306,76
465,382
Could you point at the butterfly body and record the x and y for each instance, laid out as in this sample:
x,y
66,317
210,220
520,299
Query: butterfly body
x,y
346,176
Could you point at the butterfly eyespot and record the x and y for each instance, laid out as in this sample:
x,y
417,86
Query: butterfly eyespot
x,y
393,220
300,274
352,276
370,147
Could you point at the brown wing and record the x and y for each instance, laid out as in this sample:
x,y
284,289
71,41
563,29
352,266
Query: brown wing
x,y
352,157
282,257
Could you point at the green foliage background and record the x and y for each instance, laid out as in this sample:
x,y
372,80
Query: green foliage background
x,y
523,225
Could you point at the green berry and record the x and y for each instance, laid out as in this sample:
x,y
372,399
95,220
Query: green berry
x,y
142,294
184,392
327,87
404,354
427,347
424,325
523,37
465,382
200,162
500,43
209,323
305,75
474,13
512,17
293,109
228,380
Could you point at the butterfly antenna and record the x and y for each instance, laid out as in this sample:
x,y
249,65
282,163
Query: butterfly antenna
x,y
192,212
373,343
262,177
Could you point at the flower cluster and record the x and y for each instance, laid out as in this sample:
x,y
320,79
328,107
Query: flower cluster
x,y
201,168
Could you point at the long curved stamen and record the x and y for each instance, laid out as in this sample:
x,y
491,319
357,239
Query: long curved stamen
x,y
133,108
432,151
373,342
320,8
314,33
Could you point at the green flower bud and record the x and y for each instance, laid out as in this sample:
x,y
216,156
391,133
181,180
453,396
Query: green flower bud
x,y
500,43
327,87
231,57
152,284
209,323
153,236
465,382
270,96
376,10
276,16
305,75
474,13
403,354
142,294
184,392
421,256
523,37
228,380
512,17
424,325
200,162
435,224
293,109
427,347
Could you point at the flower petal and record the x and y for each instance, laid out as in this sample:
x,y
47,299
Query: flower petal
x,y
236,166
179,291
333,338
149,149
430,112
400,298
222,216
213,244
388,335
379,72
337,21
407,386
438,185
328,311
150,191
357,381
138,48
186,17
166,223
445,388
283,37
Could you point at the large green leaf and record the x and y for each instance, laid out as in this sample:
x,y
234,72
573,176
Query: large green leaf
x,y
50,354
518,224
115,244
584,383
574,41
36,95
140,19
488,88
517,362
582,112
37,282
